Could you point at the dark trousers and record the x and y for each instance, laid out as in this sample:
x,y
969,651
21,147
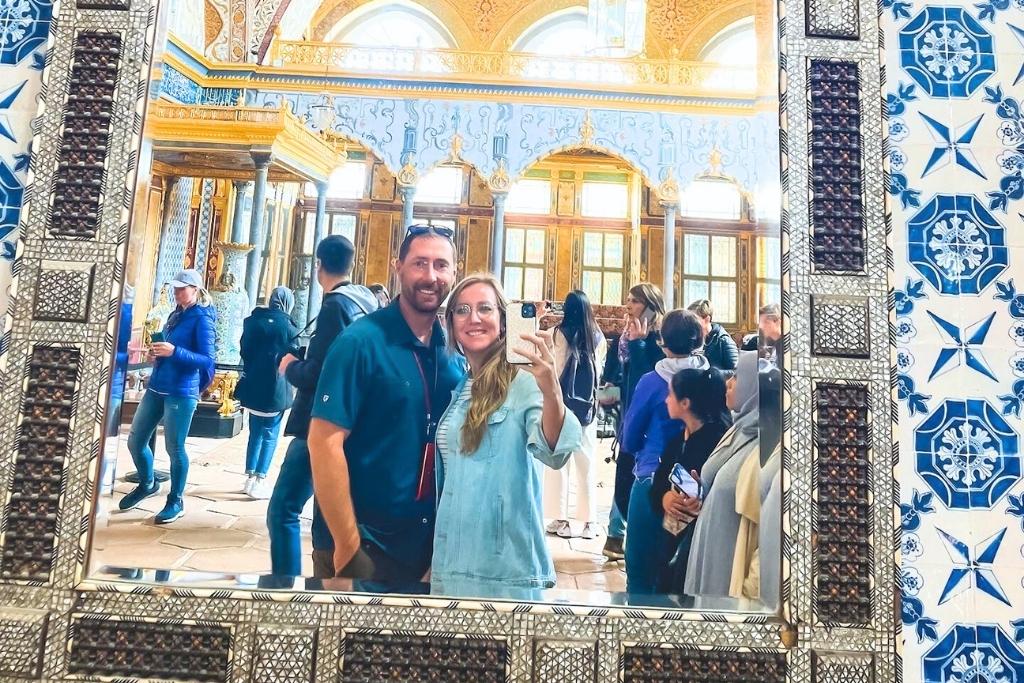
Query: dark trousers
x,y
624,482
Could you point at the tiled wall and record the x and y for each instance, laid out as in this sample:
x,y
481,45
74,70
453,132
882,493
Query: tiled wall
x,y
955,91
24,26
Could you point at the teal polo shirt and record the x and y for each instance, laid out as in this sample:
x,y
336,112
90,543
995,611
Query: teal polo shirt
x,y
371,386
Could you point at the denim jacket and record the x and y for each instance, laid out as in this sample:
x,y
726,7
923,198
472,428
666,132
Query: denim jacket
x,y
490,524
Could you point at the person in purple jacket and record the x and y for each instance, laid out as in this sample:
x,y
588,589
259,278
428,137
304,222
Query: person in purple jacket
x,y
647,429
182,368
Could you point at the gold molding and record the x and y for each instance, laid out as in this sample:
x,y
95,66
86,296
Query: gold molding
x,y
250,77
277,131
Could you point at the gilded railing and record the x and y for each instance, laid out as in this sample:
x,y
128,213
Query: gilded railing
x,y
195,112
652,75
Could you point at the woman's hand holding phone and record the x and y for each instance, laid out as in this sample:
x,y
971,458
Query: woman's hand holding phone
x,y
636,328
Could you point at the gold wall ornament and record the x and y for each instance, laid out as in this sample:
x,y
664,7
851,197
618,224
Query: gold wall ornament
x,y
668,190
587,130
455,155
408,176
499,180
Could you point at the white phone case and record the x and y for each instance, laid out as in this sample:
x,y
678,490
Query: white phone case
x,y
515,325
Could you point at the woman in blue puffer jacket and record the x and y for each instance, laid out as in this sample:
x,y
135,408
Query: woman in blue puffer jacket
x,y
182,369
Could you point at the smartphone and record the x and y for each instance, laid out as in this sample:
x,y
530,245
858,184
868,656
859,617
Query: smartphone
x,y
521,318
683,482
649,316
156,337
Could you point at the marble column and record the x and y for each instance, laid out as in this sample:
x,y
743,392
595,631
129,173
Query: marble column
x,y
668,287
237,226
407,192
498,235
256,236
316,292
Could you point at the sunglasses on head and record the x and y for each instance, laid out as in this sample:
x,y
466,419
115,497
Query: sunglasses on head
x,y
417,230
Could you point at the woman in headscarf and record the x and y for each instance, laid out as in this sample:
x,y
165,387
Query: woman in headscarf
x,y
709,567
267,334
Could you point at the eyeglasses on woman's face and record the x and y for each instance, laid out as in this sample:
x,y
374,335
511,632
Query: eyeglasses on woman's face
x,y
483,310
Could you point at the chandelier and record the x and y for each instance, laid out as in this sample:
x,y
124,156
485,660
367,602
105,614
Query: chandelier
x,y
616,27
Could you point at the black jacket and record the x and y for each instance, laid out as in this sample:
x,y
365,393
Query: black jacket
x,y
643,356
266,335
720,349
341,306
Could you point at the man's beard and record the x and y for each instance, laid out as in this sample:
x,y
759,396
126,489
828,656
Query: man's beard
x,y
411,295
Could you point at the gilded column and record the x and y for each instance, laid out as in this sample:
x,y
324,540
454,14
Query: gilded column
x,y
498,235
237,225
407,192
500,184
256,236
669,257
668,197
315,290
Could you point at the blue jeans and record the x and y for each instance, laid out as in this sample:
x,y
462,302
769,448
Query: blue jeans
x,y
646,540
263,433
293,488
616,524
176,413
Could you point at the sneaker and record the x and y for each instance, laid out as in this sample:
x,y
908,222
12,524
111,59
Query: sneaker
x,y
613,549
172,511
565,530
590,531
249,483
558,527
261,489
137,495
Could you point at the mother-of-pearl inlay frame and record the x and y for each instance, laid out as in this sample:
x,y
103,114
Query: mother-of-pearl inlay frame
x,y
838,620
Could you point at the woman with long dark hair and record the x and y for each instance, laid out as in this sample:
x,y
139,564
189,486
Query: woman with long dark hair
x,y
697,397
579,344
638,352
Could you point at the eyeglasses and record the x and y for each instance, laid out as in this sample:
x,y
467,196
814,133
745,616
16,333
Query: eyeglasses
x,y
418,230
482,310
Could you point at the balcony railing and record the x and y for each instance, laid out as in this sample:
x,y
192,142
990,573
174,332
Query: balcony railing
x,y
658,76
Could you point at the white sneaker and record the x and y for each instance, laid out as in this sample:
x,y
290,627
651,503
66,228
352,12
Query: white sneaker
x,y
555,527
261,489
249,483
565,530
590,531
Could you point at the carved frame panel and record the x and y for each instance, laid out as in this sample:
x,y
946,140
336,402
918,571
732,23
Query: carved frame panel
x,y
63,627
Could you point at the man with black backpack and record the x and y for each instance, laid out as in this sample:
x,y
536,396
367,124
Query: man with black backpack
x,y
580,349
343,303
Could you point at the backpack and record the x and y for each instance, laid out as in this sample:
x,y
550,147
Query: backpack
x,y
579,386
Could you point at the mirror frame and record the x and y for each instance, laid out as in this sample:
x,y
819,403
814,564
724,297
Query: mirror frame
x,y
839,615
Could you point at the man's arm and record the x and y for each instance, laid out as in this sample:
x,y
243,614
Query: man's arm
x,y
326,443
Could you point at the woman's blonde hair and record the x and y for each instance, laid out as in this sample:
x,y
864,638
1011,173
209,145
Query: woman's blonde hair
x,y
651,296
490,385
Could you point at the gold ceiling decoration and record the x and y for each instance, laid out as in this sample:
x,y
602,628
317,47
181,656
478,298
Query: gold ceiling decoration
x,y
495,24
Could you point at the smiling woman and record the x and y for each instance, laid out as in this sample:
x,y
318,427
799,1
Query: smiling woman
x,y
615,200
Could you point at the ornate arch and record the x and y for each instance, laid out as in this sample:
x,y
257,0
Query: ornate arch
x,y
332,11
709,26
527,16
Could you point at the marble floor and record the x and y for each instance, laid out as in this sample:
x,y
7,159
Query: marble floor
x,y
223,529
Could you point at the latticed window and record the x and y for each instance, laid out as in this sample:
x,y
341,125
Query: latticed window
x,y
710,272
524,263
604,266
769,271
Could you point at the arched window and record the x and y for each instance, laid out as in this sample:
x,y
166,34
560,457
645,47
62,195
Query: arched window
x,y
712,198
392,24
734,45
564,33
735,48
